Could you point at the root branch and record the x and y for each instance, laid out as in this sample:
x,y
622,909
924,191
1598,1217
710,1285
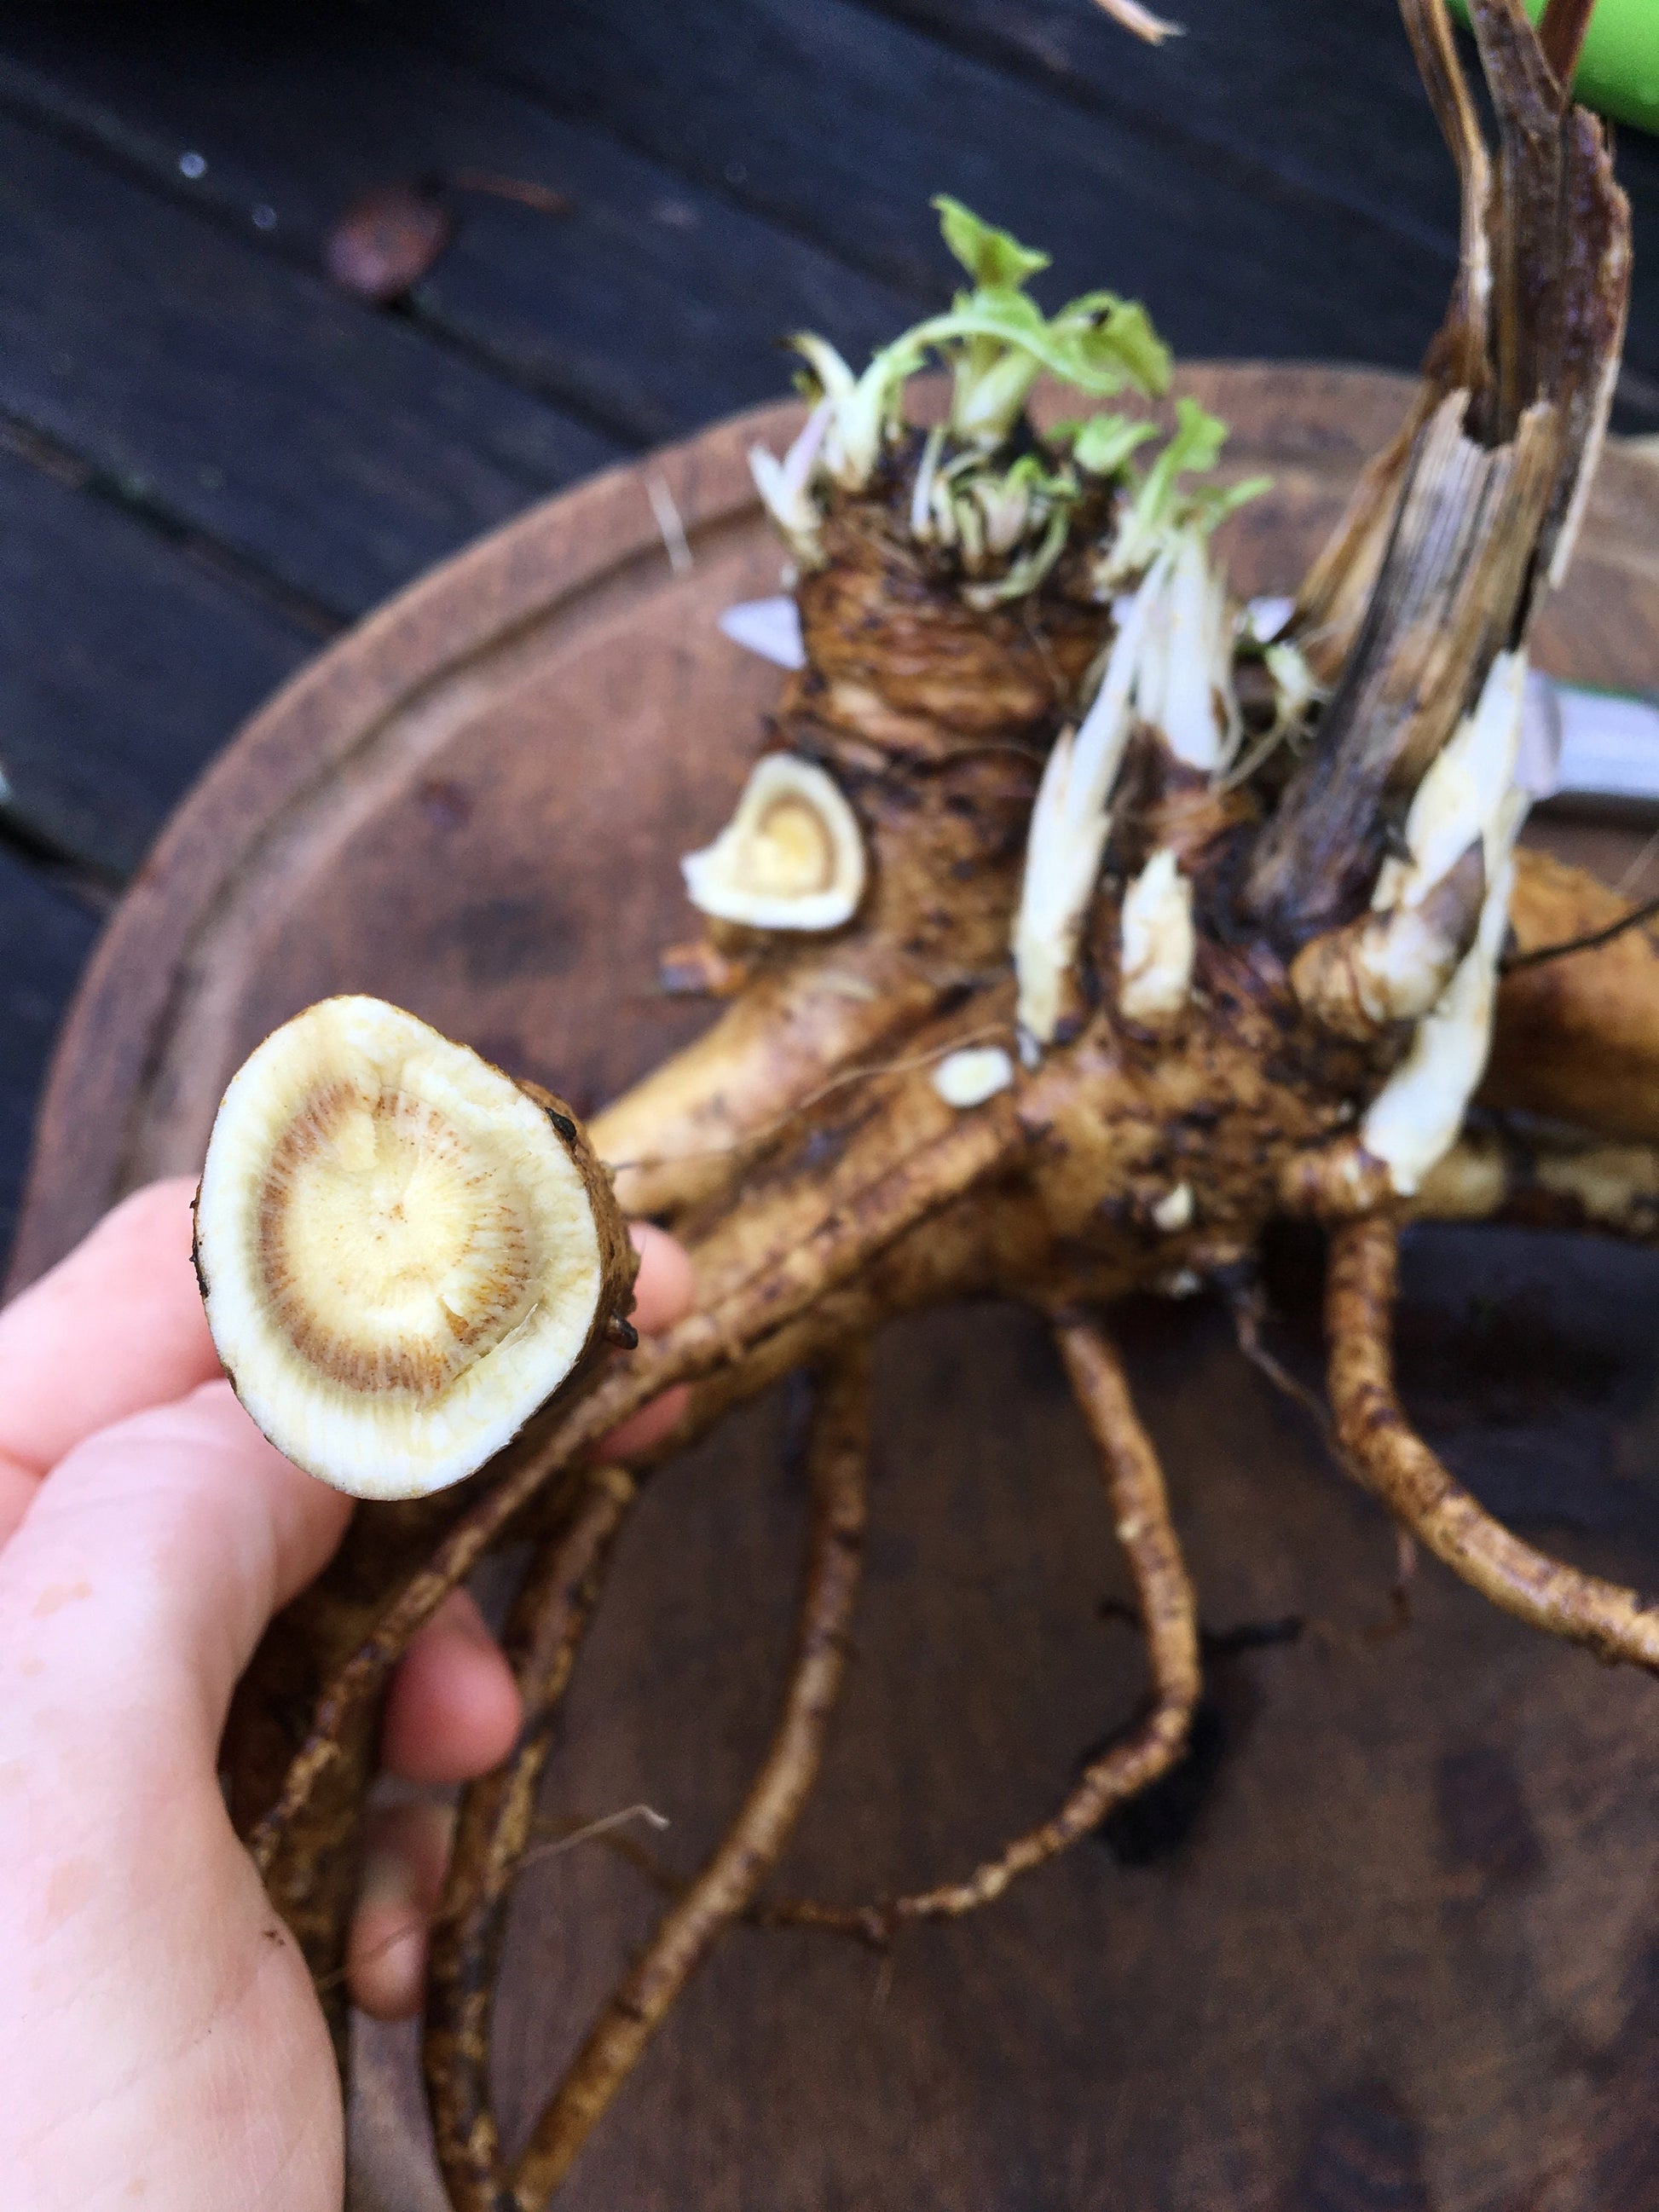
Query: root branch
x,y
1140,1509
720,1893
1425,1498
722,1334
492,1835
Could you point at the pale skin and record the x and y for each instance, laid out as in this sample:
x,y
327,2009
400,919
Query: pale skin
x,y
160,2042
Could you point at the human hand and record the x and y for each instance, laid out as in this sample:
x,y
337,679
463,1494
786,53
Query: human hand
x,y
161,2044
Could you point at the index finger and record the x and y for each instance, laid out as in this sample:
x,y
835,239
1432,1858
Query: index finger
x,y
115,1328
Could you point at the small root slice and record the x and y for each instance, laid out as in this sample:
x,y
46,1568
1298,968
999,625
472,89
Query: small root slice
x,y
497,1813
838,1455
1424,1498
1140,1509
720,1336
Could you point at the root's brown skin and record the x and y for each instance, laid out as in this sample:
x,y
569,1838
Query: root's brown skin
x,y
492,1833
1428,1502
934,721
837,1459
823,1184
1577,1038
1521,1171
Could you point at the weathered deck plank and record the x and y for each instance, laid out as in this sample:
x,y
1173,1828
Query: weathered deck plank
x,y
125,665
335,448
1271,184
47,934
654,308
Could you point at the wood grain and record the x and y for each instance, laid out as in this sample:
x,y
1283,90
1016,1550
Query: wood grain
x,y
47,933
1292,103
838,122
654,308
332,450
1393,1942
123,663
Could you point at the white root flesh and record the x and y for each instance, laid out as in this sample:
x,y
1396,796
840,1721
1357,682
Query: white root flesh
x,y
398,1249
792,857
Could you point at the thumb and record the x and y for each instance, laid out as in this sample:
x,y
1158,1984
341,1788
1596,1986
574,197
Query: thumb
x,y
155,1552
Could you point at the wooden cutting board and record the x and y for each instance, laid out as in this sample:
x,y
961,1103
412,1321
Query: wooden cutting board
x,y
1394,1941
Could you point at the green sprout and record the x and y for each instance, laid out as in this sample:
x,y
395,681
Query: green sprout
x,y
996,342
1101,444
992,258
1006,520
1162,509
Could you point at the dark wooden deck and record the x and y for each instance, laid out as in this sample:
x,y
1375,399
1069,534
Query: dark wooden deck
x,y
211,461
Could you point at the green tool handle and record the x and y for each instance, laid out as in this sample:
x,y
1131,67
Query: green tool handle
x,y
1618,69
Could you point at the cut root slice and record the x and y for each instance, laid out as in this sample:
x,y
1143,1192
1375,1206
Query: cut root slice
x,y
792,857
402,1252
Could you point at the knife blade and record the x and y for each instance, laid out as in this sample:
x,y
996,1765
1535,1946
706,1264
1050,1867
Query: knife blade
x,y
1607,746
1582,749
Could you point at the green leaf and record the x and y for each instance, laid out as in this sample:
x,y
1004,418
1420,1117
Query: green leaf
x,y
1105,442
991,257
1215,502
1128,333
1076,356
1196,444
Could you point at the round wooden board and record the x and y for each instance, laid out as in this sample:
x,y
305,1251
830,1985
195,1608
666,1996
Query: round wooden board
x,y
1397,1944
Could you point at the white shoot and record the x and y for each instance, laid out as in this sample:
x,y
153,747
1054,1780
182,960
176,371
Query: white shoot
x,y
1465,793
786,485
921,491
1158,942
1471,791
1174,1211
1185,688
1069,825
1171,665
